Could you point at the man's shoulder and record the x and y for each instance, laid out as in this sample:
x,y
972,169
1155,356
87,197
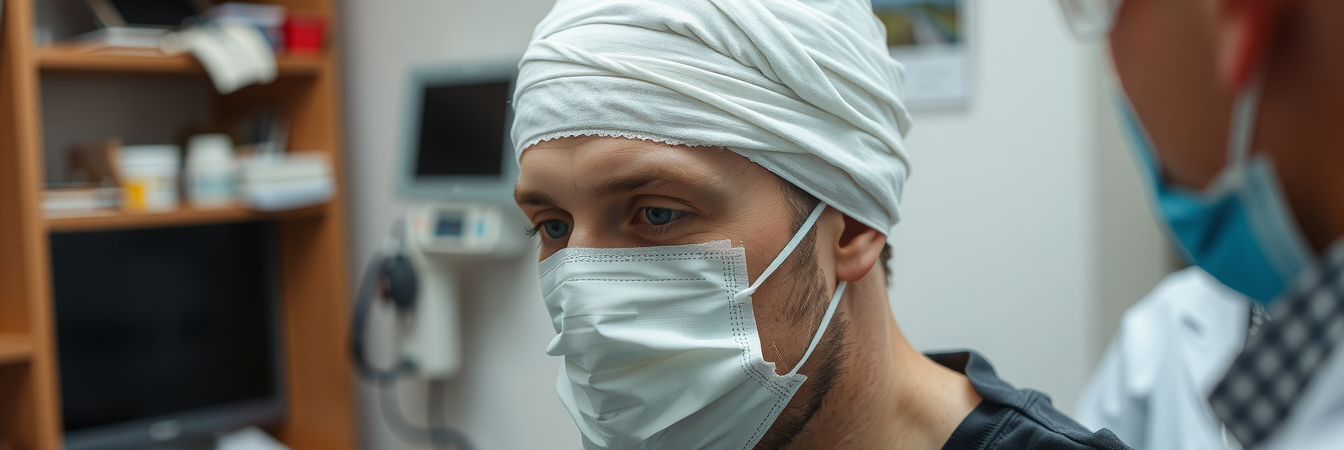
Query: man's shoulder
x,y
1033,425
1011,418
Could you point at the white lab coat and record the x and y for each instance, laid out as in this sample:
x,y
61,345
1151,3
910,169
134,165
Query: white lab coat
x,y
1173,348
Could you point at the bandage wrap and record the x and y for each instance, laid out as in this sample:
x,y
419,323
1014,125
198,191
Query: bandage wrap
x,y
806,89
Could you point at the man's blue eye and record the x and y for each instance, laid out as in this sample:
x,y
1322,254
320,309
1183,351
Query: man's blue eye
x,y
662,216
555,228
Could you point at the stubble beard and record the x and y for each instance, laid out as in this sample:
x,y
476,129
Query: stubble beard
x,y
807,311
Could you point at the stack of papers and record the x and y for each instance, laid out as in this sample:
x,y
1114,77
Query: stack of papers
x,y
80,201
123,38
295,180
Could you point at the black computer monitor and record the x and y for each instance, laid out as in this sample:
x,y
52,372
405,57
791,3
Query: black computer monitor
x,y
166,334
145,13
456,133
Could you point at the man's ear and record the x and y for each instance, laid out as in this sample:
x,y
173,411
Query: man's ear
x,y
1244,31
857,250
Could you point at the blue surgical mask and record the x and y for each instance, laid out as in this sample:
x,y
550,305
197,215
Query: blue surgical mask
x,y
1239,229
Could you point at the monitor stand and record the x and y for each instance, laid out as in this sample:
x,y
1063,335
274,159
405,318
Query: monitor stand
x,y
205,443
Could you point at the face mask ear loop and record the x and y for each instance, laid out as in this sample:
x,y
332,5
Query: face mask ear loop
x,y
1244,114
788,249
1145,153
821,329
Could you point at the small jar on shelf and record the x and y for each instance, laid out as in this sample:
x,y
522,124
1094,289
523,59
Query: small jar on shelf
x,y
148,175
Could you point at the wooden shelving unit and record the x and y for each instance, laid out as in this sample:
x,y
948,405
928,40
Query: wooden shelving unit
x,y
76,58
185,216
312,241
15,348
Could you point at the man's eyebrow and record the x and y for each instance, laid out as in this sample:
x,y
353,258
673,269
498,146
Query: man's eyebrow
x,y
529,197
642,179
657,176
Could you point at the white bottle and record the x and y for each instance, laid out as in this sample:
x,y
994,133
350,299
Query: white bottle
x,y
211,172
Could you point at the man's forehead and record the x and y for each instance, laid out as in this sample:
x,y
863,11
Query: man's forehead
x,y
602,167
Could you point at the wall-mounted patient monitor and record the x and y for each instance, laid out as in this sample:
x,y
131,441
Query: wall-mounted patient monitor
x,y
456,140
457,168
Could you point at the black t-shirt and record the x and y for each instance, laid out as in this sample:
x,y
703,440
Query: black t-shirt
x,y
1011,418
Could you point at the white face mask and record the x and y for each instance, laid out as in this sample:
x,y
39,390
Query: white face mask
x,y
660,345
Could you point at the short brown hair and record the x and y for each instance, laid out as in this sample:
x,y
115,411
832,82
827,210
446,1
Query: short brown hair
x,y
802,204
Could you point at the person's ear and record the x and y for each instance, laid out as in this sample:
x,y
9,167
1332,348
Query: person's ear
x,y
1244,30
857,250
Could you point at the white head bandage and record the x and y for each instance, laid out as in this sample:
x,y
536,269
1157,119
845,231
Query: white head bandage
x,y
805,88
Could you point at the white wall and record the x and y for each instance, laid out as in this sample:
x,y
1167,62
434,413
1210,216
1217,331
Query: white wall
x,y
1007,221
1025,231
505,397
1133,253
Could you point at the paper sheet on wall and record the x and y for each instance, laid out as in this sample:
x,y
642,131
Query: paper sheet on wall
x,y
928,37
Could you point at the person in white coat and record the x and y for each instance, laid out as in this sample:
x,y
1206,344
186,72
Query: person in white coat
x,y
1233,107
1151,387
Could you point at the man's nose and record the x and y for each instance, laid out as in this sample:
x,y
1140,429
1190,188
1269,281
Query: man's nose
x,y
590,235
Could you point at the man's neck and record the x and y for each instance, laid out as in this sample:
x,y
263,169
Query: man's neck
x,y
890,396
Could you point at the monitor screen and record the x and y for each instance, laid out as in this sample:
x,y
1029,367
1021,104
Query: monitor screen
x,y
153,324
161,13
462,128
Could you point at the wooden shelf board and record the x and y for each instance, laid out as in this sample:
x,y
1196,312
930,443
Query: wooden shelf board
x,y
15,348
67,57
183,216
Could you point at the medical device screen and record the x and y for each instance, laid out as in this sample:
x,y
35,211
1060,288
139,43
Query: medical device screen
x,y
462,129
151,323
448,225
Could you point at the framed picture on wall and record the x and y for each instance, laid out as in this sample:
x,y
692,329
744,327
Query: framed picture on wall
x,y
929,38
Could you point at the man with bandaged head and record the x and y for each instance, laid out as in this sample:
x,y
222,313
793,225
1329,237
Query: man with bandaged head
x,y
712,182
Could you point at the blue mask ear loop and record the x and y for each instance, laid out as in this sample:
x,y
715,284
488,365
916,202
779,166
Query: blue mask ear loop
x,y
1244,114
1245,111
